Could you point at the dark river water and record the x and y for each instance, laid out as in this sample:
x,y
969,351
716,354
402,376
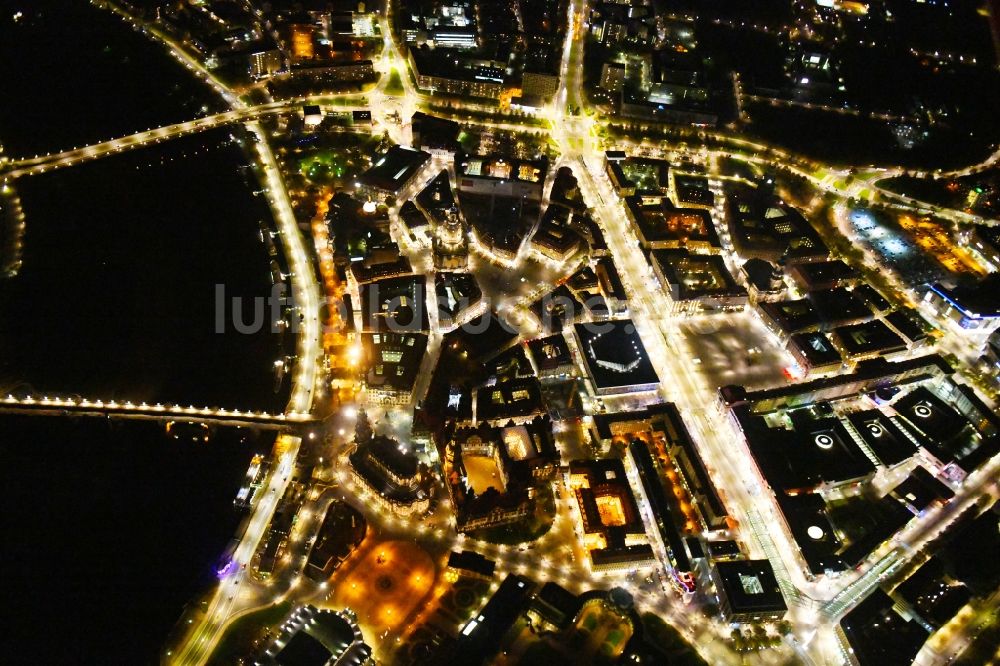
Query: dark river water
x,y
111,527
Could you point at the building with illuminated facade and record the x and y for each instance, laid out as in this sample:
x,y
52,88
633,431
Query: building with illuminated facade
x,y
391,472
611,525
492,472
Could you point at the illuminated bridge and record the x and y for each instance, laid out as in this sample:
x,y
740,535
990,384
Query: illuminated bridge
x,y
153,412
27,166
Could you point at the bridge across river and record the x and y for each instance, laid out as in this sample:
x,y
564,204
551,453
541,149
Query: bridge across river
x,y
27,166
153,412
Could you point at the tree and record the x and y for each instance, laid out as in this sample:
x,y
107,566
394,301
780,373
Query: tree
x,y
363,428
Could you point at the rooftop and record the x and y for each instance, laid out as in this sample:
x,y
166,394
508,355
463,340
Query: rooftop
x,y
498,167
816,348
550,352
615,356
393,169
750,586
803,448
763,226
878,635
691,276
883,436
659,222
872,337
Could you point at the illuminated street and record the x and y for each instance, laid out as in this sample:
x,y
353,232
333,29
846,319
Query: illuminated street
x,y
580,357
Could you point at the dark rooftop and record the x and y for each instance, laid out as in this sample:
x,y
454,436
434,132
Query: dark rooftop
x,y
762,226
816,348
819,450
659,222
812,530
691,276
510,399
750,586
551,352
921,488
480,638
978,301
880,636
908,324
838,306
473,562
935,596
303,650
391,170
615,356
822,274
871,337
881,434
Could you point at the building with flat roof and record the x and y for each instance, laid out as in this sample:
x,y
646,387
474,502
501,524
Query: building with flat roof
x,y
613,77
332,73
789,317
816,275
975,308
515,399
637,175
933,594
551,356
803,450
748,591
877,634
438,136
814,352
761,226
613,531
868,376
838,307
265,62
501,176
480,638
542,85
472,564
614,358
393,170
867,340
883,437
447,25
456,294
910,326
660,225
697,283
920,490
955,435
395,304
441,72
807,521
664,423
390,362
667,514
691,191
611,285
819,311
